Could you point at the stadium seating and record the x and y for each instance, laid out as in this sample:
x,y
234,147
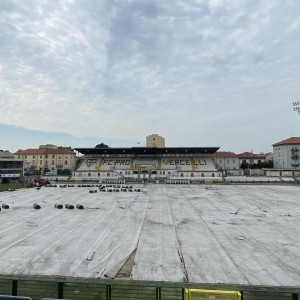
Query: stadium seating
x,y
113,168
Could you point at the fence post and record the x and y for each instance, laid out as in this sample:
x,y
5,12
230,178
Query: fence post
x,y
294,296
60,290
242,294
158,293
108,292
14,287
182,293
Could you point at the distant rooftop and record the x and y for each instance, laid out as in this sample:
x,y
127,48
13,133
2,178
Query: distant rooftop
x,y
6,154
290,141
251,155
225,154
58,150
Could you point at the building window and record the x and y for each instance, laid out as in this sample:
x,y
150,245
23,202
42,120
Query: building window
x,y
233,161
99,174
53,156
41,162
228,160
52,162
66,162
108,174
192,174
33,156
89,174
41,156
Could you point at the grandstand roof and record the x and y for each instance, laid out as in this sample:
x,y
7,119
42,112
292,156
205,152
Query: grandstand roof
x,y
149,150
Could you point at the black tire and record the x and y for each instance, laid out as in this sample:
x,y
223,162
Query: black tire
x,y
70,206
36,206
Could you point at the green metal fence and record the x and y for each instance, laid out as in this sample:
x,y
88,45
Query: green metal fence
x,y
81,290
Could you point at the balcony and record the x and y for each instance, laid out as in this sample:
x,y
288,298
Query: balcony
x,y
295,156
295,164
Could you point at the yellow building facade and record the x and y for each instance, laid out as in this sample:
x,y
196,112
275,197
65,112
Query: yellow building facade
x,y
48,160
155,140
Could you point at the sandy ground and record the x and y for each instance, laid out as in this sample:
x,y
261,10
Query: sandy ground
x,y
193,233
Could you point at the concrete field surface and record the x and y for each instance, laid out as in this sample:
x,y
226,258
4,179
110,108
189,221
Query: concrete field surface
x,y
232,234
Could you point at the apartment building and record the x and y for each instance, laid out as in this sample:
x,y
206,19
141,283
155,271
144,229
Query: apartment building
x,y
251,158
286,154
48,159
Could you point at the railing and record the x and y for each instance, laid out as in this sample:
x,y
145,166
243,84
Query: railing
x,y
37,289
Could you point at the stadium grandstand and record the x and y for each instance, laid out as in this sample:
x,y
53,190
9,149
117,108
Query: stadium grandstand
x,y
147,164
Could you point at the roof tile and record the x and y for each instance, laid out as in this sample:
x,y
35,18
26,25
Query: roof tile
x,y
289,141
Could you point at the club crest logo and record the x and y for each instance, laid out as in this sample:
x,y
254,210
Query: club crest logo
x,y
90,162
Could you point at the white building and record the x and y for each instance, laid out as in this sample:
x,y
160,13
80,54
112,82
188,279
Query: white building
x,y
286,154
251,158
226,160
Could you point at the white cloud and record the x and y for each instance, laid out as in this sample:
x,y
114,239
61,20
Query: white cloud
x,y
197,71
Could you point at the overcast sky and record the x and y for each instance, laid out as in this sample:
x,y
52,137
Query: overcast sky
x,y
198,72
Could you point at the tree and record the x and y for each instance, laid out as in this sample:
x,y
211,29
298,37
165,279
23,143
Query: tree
x,y
244,165
102,145
260,165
